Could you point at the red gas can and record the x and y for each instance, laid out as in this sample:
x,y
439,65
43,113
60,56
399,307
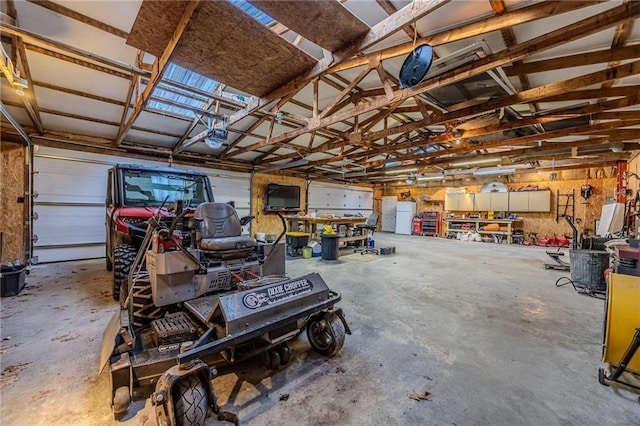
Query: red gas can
x,y
416,228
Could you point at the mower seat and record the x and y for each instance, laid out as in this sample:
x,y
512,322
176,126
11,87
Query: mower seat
x,y
219,231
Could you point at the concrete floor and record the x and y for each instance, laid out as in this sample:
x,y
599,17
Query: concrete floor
x,y
480,327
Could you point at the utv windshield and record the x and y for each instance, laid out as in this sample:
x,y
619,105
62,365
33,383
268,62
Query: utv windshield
x,y
150,188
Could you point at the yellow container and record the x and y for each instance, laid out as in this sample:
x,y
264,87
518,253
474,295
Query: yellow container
x,y
307,252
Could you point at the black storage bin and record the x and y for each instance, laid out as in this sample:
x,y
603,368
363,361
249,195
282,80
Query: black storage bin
x,y
587,268
297,239
12,280
329,246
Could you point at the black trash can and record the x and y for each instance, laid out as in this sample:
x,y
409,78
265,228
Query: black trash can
x,y
329,246
587,268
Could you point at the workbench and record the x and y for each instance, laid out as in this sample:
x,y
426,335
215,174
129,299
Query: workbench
x,y
307,223
476,225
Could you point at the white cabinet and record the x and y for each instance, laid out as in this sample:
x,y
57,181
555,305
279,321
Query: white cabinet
x,y
525,201
539,201
459,202
518,201
482,201
451,202
465,202
499,201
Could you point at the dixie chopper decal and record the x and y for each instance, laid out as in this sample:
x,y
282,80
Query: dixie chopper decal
x,y
275,293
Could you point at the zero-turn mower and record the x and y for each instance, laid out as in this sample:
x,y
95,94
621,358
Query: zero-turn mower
x,y
190,309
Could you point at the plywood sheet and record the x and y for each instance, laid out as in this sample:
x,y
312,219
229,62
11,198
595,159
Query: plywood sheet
x,y
155,24
325,22
223,43
12,212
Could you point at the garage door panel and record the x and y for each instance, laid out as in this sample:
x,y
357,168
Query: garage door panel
x,y
64,225
72,192
59,254
68,181
68,189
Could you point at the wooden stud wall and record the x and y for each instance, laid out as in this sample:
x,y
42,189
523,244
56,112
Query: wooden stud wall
x,y
12,213
266,222
602,181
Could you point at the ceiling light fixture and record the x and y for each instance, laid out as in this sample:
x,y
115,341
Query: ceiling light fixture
x,y
472,161
400,171
497,171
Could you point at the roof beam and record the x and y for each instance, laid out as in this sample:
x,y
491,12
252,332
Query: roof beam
x,y
78,93
159,66
597,57
623,31
55,7
19,54
563,35
73,60
36,38
576,130
479,27
405,16
569,112
81,142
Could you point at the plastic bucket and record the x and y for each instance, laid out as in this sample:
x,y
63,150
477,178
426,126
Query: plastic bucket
x,y
587,268
329,246
307,252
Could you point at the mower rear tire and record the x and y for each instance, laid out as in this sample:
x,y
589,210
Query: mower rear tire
x,y
326,334
190,402
123,257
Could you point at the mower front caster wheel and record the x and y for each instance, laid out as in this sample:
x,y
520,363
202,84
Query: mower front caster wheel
x,y
190,402
273,360
326,334
121,401
285,354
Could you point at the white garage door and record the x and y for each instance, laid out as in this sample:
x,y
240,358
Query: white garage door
x,y
327,198
70,205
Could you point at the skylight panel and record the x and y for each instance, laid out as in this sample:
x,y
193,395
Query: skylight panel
x,y
181,75
253,11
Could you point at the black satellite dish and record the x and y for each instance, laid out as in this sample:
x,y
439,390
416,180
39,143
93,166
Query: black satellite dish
x,y
416,65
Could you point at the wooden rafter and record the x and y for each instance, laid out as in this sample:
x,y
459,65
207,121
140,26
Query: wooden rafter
x,y
569,112
10,67
406,16
623,30
41,40
570,61
79,93
159,66
509,37
572,32
69,13
481,26
77,61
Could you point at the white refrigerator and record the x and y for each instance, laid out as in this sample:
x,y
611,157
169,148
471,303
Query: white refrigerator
x,y
405,210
